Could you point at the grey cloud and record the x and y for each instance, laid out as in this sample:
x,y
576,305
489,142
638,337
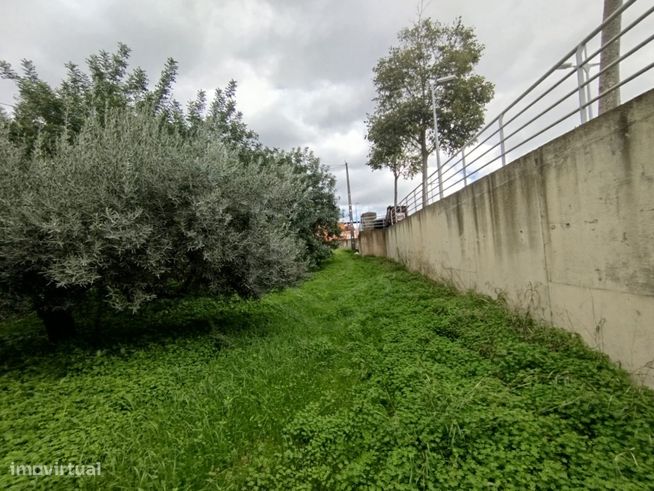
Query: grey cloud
x,y
278,130
336,113
334,40
304,68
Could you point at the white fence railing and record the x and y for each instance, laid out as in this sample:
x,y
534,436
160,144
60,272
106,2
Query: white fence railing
x,y
549,106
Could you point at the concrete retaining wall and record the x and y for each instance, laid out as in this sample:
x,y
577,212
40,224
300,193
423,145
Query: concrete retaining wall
x,y
565,233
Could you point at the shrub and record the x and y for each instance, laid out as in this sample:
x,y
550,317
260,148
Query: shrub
x,y
44,114
130,208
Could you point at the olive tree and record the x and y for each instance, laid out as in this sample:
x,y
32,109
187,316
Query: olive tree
x,y
316,213
108,186
129,208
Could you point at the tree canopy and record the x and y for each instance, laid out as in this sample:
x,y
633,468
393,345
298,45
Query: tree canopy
x,y
109,187
400,130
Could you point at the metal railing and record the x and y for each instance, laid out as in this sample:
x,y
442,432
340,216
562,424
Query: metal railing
x,y
546,109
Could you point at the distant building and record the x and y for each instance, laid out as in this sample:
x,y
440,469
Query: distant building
x,y
346,229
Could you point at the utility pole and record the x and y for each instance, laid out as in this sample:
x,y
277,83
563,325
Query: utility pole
x,y
610,53
349,204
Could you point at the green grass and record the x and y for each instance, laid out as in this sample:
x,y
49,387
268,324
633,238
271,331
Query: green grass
x,y
364,376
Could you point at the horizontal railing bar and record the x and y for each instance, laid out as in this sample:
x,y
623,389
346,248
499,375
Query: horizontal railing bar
x,y
593,33
556,66
450,169
574,91
569,94
478,144
620,34
563,118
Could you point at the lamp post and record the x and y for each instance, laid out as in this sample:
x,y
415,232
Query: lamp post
x,y
435,83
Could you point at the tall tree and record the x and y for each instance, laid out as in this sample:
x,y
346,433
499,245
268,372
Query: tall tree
x,y
401,128
110,188
225,119
131,207
384,131
43,113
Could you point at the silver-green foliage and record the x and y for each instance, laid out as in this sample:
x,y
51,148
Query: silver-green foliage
x,y
131,210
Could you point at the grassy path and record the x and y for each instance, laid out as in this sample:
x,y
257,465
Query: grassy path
x,y
364,376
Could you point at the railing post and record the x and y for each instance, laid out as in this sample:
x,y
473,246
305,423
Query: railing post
x,y
588,94
581,75
500,121
463,164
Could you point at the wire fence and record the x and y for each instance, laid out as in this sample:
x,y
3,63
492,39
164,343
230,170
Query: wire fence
x,y
548,108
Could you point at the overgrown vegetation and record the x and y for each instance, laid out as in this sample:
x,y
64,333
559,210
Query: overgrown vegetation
x,y
109,189
365,376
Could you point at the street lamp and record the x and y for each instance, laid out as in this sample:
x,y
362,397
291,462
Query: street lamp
x,y
438,81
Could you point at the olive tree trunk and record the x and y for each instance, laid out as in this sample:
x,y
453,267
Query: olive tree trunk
x,y
59,323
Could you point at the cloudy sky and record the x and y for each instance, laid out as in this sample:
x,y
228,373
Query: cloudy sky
x,y
304,67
